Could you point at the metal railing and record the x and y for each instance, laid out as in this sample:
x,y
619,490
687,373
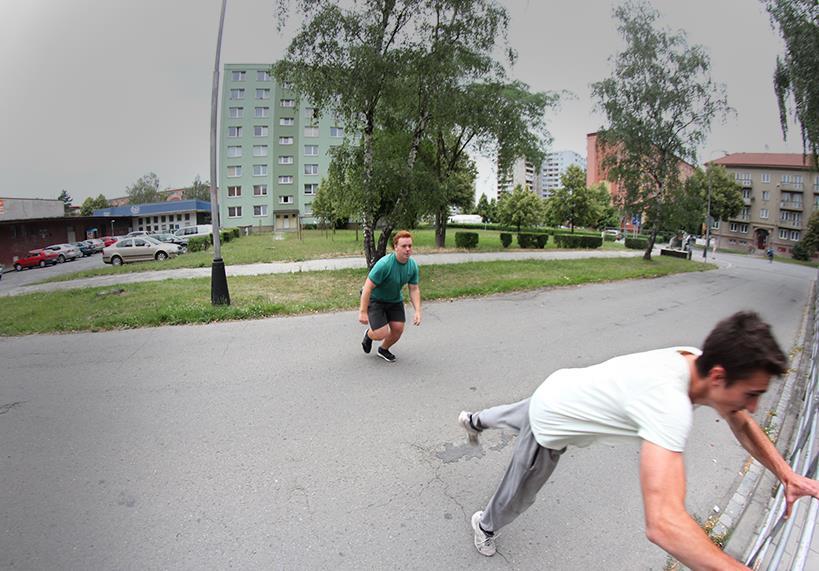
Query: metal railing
x,y
775,532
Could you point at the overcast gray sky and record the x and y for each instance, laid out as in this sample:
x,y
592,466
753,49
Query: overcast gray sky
x,y
96,93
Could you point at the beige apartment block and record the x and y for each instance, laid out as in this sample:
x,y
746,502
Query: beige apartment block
x,y
780,191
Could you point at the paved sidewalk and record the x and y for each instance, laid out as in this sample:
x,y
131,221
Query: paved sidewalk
x,y
315,265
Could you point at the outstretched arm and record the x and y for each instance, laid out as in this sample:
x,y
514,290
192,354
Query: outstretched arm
x,y
662,479
757,443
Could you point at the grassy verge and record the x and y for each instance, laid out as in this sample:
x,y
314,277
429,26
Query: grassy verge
x,y
174,302
315,244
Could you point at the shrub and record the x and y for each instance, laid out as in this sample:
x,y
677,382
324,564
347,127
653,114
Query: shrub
x,y
541,240
198,243
637,243
526,240
577,241
466,239
800,252
609,237
506,239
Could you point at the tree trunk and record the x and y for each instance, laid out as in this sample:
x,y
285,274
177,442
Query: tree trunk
x,y
440,229
651,239
368,220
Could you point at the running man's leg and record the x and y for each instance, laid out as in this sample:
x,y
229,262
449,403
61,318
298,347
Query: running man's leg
x,y
503,416
530,468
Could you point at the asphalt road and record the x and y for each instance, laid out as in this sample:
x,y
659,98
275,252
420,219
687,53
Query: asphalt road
x,y
12,279
277,444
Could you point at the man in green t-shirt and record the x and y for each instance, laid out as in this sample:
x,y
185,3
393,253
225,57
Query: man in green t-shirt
x,y
382,303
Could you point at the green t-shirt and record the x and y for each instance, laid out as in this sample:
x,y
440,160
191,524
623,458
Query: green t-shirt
x,y
389,276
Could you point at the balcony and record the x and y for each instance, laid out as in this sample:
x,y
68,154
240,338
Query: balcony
x,y
741,218
794,224
745,182
791,205
747,200
792,186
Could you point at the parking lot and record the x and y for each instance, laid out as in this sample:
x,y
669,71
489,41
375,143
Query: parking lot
x,y
14,279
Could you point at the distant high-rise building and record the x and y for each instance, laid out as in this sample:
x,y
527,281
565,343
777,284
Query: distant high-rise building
x,y
521,173
273,150
554,167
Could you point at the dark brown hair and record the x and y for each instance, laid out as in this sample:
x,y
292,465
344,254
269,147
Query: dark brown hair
x,y
742,344
398,235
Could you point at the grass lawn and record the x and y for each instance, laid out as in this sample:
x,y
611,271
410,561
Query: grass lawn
x,y
315,244
173,302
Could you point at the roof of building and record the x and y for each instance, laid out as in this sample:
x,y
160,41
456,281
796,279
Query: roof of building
x,y
771,160
155,208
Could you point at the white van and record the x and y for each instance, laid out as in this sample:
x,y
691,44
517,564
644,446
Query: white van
x,y
191,231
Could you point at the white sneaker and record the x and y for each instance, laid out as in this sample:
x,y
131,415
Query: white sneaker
x,y
471,433
485,544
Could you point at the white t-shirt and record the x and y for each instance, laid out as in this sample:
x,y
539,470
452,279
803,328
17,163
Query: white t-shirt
x,y
642,395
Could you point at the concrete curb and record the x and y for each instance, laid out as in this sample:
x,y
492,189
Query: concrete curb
x,y
747,483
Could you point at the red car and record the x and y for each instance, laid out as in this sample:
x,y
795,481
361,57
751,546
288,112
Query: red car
x,y
108,240
36,258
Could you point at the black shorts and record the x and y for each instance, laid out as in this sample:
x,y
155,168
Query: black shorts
x,y
382,312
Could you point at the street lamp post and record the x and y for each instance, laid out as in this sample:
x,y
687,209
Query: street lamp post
x,y
112,227
219,294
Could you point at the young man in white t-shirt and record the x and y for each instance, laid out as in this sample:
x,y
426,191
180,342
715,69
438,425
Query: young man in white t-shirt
x,y
649,396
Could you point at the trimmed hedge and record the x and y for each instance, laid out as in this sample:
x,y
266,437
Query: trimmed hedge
x,y
506,239
636,243
199,243
466,239
531,240
577,241
609,237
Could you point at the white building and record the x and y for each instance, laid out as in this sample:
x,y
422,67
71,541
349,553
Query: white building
x,y
554,166
522,173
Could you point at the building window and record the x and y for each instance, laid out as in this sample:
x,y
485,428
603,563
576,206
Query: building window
x,y
763,213
766,177
234,171
311,131
262,75
236,112
261,112
259,190
741,228
237,75
285,140
237,94
715,225
285,200
262,94
310,113
234,211
288,102
794,235
259,170
336,132
308,208
285,160
260,130
310,188
234,152
789,234
742,177
285,179
234,132
260,210
259,150
310,150
287,85
233,192
287,121
311,169
746,193
766,195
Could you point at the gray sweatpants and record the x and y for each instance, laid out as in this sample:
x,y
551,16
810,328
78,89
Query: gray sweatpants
x,y
529,469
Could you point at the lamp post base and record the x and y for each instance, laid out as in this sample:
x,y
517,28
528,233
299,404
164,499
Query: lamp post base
x,y
219,294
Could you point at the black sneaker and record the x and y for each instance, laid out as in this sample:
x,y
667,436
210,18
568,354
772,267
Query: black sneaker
x,y
367,343
386,355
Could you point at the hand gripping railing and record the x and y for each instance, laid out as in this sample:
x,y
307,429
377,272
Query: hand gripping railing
x,y
798,459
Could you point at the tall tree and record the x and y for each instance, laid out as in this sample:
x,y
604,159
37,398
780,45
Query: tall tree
x,y
87,208
659,103
521,207
381,65
482,209
726,194
144,190
198,190
66,198
574,203
101,202
606,214
795,75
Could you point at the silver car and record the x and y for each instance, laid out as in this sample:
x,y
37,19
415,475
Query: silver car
x,y
138,248
66,252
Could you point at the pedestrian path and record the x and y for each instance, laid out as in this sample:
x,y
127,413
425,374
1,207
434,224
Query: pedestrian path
x,y
315,265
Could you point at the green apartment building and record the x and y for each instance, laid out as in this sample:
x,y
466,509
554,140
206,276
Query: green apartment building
x,y
273,151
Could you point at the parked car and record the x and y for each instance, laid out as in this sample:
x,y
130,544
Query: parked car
x,y
40,257
108,240
138,248
171,239
86,249
191,231
97,244
136,233
65,252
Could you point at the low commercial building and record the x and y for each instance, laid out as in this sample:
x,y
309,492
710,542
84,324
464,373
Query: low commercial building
x,y
158,216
